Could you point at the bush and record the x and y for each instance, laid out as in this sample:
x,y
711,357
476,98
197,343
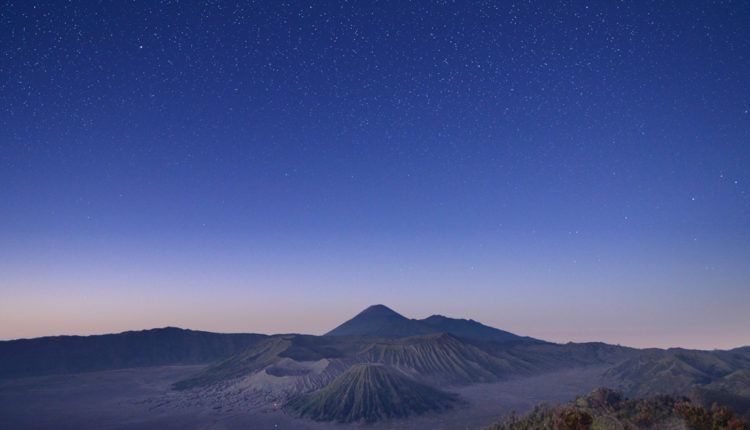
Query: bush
x,y
574,419
717,418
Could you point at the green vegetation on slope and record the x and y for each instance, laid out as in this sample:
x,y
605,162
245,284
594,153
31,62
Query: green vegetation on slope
x,y
737,382
605,409
678,371
369,393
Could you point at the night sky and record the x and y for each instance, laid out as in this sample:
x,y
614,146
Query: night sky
x,y
563,170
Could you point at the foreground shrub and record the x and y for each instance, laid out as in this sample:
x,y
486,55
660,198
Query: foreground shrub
x,y
574,419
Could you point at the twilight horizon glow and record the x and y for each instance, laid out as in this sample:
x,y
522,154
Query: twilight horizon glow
x,y
571,172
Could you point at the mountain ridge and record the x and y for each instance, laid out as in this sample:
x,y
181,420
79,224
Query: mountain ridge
x,y
64,354
381,321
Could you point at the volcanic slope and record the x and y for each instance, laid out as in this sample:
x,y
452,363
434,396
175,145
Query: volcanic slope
x,y
677,371
381,321
370,393
276,356
442,359
470,329
436,358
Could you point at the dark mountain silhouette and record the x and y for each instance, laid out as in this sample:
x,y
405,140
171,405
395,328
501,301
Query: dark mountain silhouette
x,y
155,347
470,329
381,321
370,393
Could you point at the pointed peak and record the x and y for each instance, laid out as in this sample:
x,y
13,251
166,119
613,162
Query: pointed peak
x,y
377,320
379,310
381,321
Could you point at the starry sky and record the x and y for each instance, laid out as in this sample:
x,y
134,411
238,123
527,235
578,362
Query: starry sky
x,y
572,171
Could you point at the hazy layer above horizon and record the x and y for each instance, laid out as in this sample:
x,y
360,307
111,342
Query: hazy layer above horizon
x,y
306,318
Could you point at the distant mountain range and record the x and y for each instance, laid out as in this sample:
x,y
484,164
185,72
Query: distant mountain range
x,y
156,347
378,357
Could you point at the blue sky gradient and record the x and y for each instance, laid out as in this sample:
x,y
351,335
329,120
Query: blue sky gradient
x,y
564,171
